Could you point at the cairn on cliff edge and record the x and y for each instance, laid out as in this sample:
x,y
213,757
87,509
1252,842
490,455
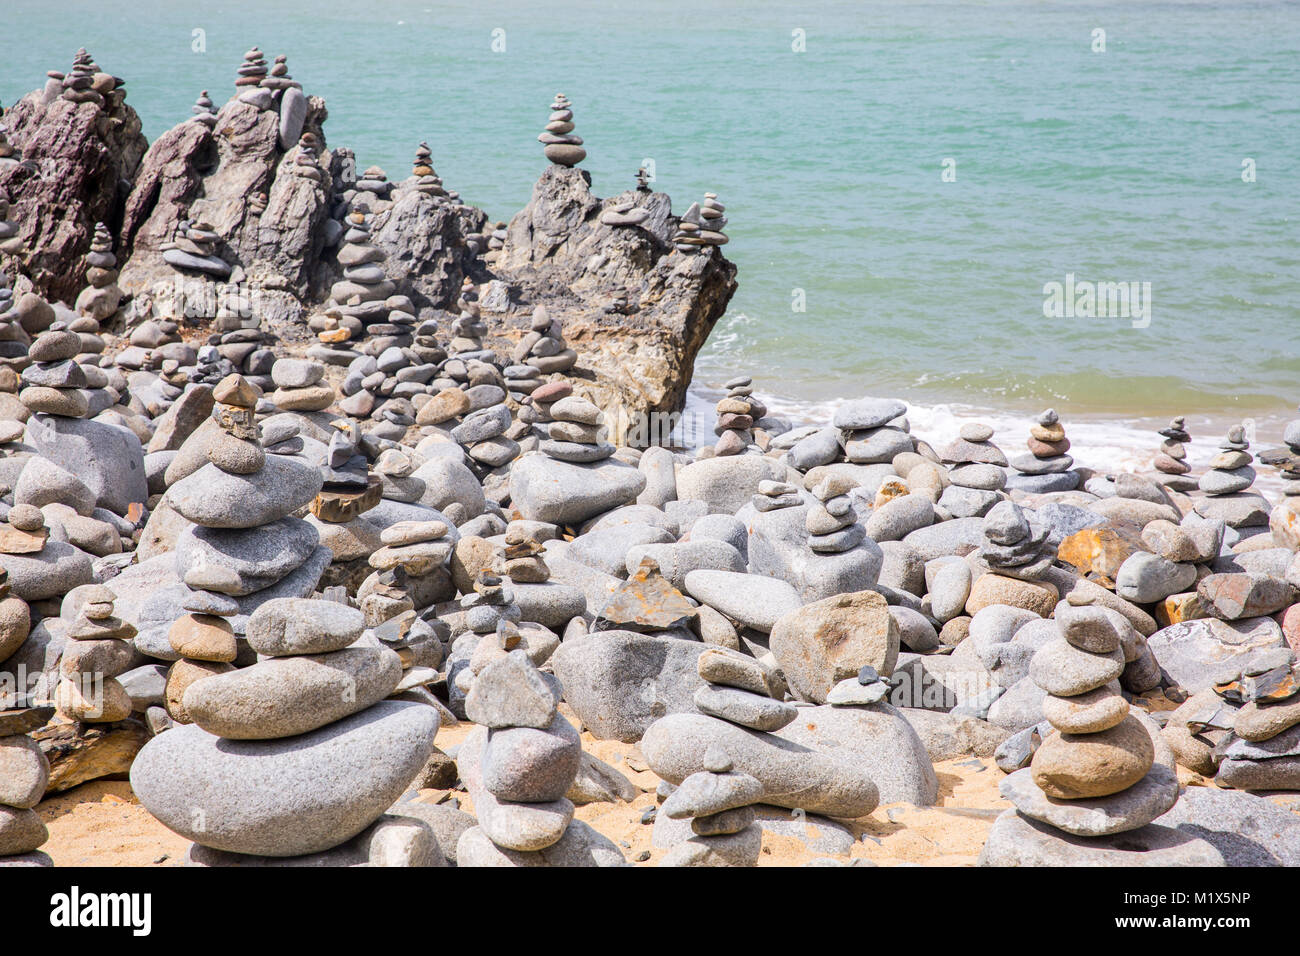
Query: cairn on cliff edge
x,y
701,225
204,111
426,178
562,146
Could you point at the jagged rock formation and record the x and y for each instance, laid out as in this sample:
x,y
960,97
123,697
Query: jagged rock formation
x,y
242,211
238,178
76,158
558,253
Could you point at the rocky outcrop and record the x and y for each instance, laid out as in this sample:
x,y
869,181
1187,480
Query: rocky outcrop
x,y
237,216
236,178
636,311
78,161
424,239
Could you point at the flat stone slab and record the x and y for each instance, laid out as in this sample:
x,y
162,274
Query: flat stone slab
x,y
1016,840
1247,829
793,775
284,797
1096,816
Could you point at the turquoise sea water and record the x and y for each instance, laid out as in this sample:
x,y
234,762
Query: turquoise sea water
x,y
1120,166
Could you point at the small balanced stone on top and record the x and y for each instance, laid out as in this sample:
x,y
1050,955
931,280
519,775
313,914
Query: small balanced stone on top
x,y
562,146
1047,467
252,71
195,249
204,111
427,180
1230,469
701,226
737,412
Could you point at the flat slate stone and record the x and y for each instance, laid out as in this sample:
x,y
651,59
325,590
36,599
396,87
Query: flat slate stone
x,y
1248,830
284,797
240,561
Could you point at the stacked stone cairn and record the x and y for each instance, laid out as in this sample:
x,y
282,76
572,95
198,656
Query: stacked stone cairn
x,y
194,249
483,436
297,755
1171,460
543,349
976,472
9,156
523,557
831,521
643,180
249,77
1047,467
348,490
102,297
204,110
23,780
717,799
80,86
518,766
701,226
1094,786
535,411
1227,485
718,802
561,145
374,181
468,328
1230,471
53,384
99,650
245,546
1263,698
11,243
491,616
426,179
36,566
415,555
300,386
1015,543
575,433
279,78
737,412
306,163
1284,521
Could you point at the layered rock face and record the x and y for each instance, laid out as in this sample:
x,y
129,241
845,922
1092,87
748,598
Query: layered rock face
x,y
243,209
78,152
636,310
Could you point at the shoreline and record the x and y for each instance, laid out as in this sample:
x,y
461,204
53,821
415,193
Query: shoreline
x,y
1105,443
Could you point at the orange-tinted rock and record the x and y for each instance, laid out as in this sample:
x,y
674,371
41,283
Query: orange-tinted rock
x,y
1178,608
1098,552
988,589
